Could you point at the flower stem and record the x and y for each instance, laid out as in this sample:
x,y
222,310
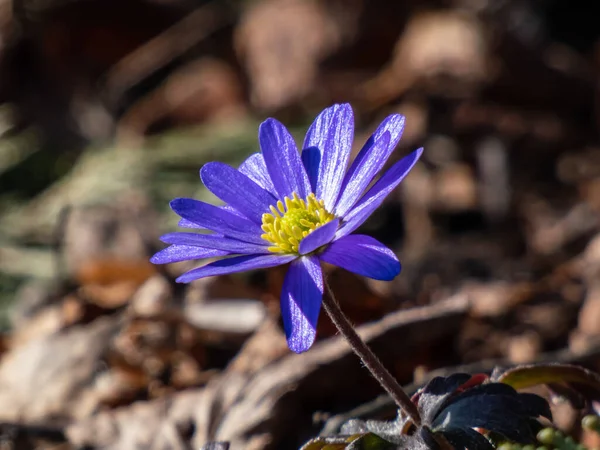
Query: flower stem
x,y
375,366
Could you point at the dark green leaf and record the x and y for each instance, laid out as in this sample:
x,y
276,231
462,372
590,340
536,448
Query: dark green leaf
x,y
493,407
436,392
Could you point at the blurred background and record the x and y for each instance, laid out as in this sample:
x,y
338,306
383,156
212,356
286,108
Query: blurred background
x,y
109,108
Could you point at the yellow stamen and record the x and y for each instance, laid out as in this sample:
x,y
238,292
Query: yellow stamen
x,y
292,220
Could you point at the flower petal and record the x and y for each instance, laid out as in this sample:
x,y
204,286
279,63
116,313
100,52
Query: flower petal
x,y
237,190
235,264
176,253
214,241
255,168
369,161
301,298
331,134
318,237
361,173
393,124
375,196
184,223
362,255
311,158
217,219
283,159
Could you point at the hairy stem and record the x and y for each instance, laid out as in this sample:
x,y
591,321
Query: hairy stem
x,y
379,372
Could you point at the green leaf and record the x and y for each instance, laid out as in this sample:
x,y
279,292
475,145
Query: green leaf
x,y
367,441
532,375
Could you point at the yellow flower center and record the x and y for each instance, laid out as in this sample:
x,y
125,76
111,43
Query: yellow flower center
x,y
292,220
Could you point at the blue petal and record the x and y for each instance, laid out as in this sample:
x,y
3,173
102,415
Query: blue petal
x,y
301,298
255,168
369,161
184,223
311,158
235,264
214,241
363,255
283,160
176,253
361,173
318,237
375,196
217,219
331,134
237,190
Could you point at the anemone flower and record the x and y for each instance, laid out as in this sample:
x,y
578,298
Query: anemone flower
x,y
299,208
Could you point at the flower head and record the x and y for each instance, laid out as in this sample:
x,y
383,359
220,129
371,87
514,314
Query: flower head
x,y
283,207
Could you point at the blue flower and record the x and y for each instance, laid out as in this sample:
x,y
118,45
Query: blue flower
x,y
284,207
